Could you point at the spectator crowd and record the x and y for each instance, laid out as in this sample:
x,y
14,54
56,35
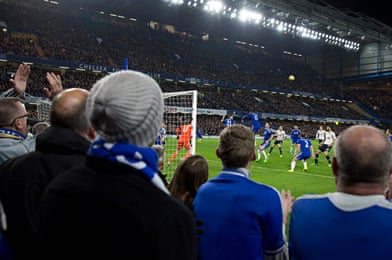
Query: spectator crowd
x,y
88,185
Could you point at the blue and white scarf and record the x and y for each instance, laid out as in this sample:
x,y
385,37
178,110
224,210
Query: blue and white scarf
x,y
141,158
12,134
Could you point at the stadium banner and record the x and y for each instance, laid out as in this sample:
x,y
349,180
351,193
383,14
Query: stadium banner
x,y
58,63
312,118
156,75
209,111
192,80
184,79
200,111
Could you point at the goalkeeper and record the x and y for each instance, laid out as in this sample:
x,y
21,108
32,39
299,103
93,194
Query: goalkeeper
x,y
184,135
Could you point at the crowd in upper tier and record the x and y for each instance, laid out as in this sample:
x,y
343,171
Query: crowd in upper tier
x,y
89,37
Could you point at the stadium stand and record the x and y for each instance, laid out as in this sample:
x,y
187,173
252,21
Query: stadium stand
x,y
228,76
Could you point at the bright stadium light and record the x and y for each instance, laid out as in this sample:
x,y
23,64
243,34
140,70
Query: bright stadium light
x,y
214,6
249,16
279,28
175,2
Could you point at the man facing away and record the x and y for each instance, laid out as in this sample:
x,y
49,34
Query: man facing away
x,y
355,222
23,179
241,219
115,205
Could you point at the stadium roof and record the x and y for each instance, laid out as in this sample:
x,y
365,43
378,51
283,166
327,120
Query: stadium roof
x,y
321,16
316,15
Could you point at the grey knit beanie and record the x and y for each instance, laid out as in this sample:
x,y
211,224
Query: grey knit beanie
x,y
126,106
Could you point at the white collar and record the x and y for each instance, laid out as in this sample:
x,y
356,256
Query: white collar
x,y
349,202
243,172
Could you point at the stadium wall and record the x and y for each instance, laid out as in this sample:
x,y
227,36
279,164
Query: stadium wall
x,y
337,64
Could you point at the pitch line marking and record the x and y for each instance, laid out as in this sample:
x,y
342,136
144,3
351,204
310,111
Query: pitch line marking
x,y
278,170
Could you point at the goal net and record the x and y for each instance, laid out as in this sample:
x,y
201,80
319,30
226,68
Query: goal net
x,y
180,109
38,108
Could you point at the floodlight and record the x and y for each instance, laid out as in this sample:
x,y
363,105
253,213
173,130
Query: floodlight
x,y
175,2
214,6
246,15
249,16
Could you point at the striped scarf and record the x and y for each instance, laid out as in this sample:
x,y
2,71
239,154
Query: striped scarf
x,y
12,134
141,158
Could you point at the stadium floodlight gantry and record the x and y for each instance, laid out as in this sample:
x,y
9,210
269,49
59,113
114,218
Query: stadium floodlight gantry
x,y
301,18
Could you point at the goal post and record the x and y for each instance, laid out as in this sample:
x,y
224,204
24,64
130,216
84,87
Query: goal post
x,y
38,108
180,108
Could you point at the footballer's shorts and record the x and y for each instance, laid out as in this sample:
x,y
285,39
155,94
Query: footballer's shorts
x,y
265,145
302,156
324,148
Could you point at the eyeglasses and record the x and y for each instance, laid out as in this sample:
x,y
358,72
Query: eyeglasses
x,y
18,117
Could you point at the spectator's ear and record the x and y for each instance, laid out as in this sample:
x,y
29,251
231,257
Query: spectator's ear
x,y
254,156
217,153
335,167
91,134
19,124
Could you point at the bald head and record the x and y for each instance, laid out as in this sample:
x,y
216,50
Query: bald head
x,y
363,154
68,110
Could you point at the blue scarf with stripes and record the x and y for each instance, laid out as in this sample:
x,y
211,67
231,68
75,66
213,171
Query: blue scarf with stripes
x,y
12,134
141,158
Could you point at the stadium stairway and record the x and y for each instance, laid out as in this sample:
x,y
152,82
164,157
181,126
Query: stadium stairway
x,y
360,110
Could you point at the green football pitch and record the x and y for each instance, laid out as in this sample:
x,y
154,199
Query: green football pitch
x,y
317,180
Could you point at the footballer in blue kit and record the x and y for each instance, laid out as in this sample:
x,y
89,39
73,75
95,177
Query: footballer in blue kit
x,y
199,135
229,121
269,134
295,135
389,134
303,152
254,118
160,140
